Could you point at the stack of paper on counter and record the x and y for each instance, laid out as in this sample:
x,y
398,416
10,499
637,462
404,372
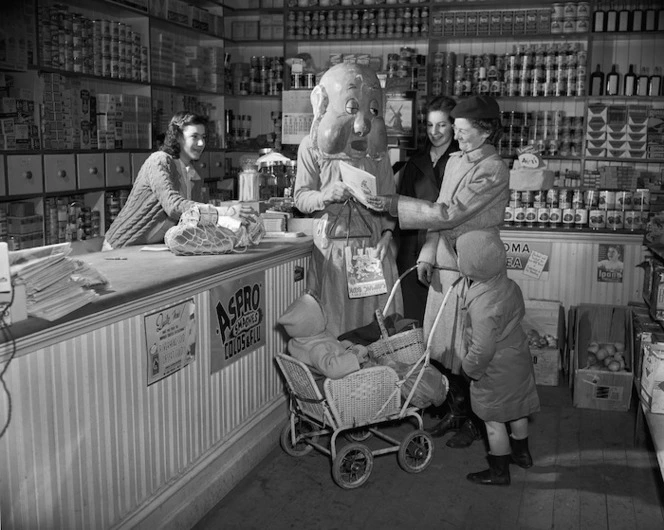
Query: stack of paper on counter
x,y
360,182
55,283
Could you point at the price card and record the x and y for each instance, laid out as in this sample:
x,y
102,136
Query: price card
x,y
535,264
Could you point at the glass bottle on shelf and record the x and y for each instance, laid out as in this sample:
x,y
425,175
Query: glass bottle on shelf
x,y
612,82
611,19
597,82
643,82
637,18
624,18
629,82
655,84
599,19
650,17
659,24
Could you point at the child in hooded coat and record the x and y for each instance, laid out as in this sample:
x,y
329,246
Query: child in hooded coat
x,y
314,345
498,362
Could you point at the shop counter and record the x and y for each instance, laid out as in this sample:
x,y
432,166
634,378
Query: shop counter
x,y
143,408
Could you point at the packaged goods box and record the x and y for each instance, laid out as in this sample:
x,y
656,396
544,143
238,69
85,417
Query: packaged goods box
x,y
596,387
544,323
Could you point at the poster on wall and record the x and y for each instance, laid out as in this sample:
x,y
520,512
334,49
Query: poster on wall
x,y
170,339
238,319
610,263
297,116
527,259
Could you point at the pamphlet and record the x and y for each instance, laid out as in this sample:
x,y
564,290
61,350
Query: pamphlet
x,y
361,183
364,272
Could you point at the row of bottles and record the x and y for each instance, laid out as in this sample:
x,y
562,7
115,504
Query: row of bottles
x,y
628,16
632,85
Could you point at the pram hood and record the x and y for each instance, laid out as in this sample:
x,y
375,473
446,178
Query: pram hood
x,y
304,317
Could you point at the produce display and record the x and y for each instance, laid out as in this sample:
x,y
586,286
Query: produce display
x,y
606,356
541,340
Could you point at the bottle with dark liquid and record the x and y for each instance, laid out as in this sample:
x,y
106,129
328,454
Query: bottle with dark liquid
x,y
597,82
611,19
599,19
624,16
650,23
637,18
655,84
629,82
612,82
643,82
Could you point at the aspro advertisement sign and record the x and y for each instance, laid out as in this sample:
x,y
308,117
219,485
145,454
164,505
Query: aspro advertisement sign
x,y
238,313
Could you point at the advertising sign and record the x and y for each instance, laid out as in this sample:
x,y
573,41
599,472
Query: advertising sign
x,y
528,258
170,339
238,314
610,263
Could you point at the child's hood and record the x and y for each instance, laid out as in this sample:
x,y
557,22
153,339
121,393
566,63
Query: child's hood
x,y
304,317
481,254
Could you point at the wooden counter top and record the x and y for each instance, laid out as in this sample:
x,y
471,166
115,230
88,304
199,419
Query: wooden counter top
x,y
140,280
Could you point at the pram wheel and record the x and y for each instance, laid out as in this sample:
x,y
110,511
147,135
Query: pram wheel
x,y
301,448
352,466
415,452
358,435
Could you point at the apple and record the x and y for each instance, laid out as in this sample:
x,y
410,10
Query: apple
x,y
620,347
593,347
610,348
601,354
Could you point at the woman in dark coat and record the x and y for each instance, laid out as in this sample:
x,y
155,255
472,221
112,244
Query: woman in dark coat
x,y
498,361
421,178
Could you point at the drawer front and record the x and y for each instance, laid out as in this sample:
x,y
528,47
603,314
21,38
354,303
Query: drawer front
x,y
137,160
217,166
3,177
24,174
59,173
118,169
203,166
91,172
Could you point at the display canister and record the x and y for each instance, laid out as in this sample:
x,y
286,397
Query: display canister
x,y
607,199
543,217
632,220
555,216
597,219
568,217
519,215
614,219
623,200
508,219
580,218
531,216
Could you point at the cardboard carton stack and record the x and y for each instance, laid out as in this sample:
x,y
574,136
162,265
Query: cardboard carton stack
x,y
544,324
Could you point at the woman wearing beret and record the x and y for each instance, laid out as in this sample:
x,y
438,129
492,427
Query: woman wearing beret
x,y
473,196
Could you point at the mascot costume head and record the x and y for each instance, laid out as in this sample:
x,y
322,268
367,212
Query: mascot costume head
x,y
348,114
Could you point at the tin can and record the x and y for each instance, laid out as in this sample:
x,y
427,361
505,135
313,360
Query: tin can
x,y
555,217
623,200
295,81
539,199
508,218
632,220
568,217
527,198
597,219
519,215
641,200
531,216
591,199
564,198
580,218
607,199
543,217
614,219
577,199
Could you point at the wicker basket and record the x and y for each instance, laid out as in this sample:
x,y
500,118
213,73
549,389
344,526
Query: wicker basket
x,y
406,347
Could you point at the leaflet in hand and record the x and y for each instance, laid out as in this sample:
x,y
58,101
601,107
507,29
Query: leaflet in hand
x,y
361,183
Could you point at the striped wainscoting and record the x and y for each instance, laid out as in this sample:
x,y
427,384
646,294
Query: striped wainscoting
x,y
572,275
90,444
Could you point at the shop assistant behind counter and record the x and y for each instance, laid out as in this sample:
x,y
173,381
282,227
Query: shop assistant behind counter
x,y
167,185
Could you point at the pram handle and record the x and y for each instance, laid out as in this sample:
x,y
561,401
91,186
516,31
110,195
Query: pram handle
x,y
397,283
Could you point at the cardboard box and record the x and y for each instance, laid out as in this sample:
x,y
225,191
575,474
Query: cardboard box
x,y
651,390
547,318
595,388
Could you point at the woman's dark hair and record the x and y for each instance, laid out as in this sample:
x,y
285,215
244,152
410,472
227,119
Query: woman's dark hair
x,y
492,126
174,131
438,103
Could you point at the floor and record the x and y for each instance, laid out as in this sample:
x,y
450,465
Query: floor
x,y
588,475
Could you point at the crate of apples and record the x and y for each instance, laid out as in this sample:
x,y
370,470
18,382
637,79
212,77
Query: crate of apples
x,y
607,356
541,340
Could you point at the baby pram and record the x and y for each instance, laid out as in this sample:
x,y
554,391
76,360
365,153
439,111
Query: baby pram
x,y
356,405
